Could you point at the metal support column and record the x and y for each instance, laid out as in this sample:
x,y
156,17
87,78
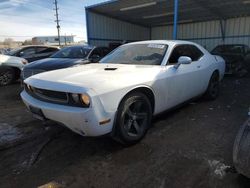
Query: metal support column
x,y
223,29
175,19
87,25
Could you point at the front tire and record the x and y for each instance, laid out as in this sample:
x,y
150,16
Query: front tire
x,y
7,76
213,87
133,119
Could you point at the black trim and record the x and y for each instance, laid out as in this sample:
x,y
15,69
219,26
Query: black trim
x,y
68,102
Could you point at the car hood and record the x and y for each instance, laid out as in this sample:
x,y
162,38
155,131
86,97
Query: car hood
x,y
100,78
53,63
11,61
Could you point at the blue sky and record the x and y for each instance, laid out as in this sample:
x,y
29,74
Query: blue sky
x,y
23,19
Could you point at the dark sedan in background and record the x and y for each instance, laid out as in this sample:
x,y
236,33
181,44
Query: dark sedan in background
x,y
236,57
33,53
66,57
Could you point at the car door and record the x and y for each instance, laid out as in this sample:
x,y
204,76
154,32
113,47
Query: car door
x,y
186,81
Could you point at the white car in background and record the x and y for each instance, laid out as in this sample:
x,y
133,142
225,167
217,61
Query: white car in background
x,y
119,95
10,68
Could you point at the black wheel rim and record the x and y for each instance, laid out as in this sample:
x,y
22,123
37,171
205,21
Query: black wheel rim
x,y
214,86
136,119
5,77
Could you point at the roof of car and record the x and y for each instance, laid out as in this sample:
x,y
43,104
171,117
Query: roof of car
x,y
172,42
38,46
83,46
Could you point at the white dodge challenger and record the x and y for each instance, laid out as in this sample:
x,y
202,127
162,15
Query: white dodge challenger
x,y
119,95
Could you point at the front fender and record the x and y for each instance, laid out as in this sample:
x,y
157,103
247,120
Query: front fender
x,y
112,99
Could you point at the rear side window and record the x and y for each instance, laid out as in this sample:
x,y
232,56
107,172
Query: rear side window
x,y
185,50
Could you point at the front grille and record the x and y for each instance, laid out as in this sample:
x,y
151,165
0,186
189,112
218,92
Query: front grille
x,y
26,73
48,95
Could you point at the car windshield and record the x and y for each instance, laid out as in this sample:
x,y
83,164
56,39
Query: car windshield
x,y
139,54
235,49
74,52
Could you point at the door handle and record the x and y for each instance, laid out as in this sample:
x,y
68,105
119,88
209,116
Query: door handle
x,y
198,66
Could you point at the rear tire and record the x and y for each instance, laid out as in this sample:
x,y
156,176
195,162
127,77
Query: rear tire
x,y
213,87
7,76
133,119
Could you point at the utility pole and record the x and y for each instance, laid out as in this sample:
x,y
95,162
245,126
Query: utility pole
x,y
57,22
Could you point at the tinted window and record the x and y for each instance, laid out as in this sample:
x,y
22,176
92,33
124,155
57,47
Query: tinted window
x,y
72,52
96,52
185,50
27,52
140,54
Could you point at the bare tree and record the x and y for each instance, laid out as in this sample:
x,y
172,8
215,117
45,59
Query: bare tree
x,y
8,42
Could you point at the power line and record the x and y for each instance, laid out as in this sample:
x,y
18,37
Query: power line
x,y
57,22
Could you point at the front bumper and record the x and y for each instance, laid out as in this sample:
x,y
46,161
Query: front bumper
x,y
84,121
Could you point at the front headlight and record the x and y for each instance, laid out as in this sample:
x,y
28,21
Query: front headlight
x,y
85,99
81,99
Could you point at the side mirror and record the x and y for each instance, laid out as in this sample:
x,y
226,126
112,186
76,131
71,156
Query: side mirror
x,y
183,60
94,58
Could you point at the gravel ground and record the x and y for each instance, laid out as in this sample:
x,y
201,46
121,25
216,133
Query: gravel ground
x,y
187,147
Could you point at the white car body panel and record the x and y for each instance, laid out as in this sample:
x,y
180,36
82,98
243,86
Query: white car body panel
x,y
11,61
107,88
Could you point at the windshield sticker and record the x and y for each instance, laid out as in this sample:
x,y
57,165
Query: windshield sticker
x,y
159,46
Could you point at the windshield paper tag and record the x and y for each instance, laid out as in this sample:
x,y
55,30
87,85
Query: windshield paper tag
x,y
159,46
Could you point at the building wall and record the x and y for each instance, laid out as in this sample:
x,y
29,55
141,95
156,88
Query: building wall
x,y
52,39
208,34
102,30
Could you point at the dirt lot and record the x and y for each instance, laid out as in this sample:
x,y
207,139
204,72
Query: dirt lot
x,y
188,147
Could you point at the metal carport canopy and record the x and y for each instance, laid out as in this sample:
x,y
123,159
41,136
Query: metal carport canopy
x,y
152,13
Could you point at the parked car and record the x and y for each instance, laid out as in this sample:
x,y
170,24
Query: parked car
x,y
33,53
10,68
66,57
3,51
241,150
119,95
235,56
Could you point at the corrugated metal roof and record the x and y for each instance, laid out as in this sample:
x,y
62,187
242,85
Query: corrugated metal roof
x,y
151,13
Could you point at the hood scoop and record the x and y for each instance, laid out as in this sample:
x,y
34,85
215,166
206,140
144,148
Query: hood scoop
x,y
110,69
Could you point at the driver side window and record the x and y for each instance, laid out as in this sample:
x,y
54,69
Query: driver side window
x,y
27,52
96,53
184,50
